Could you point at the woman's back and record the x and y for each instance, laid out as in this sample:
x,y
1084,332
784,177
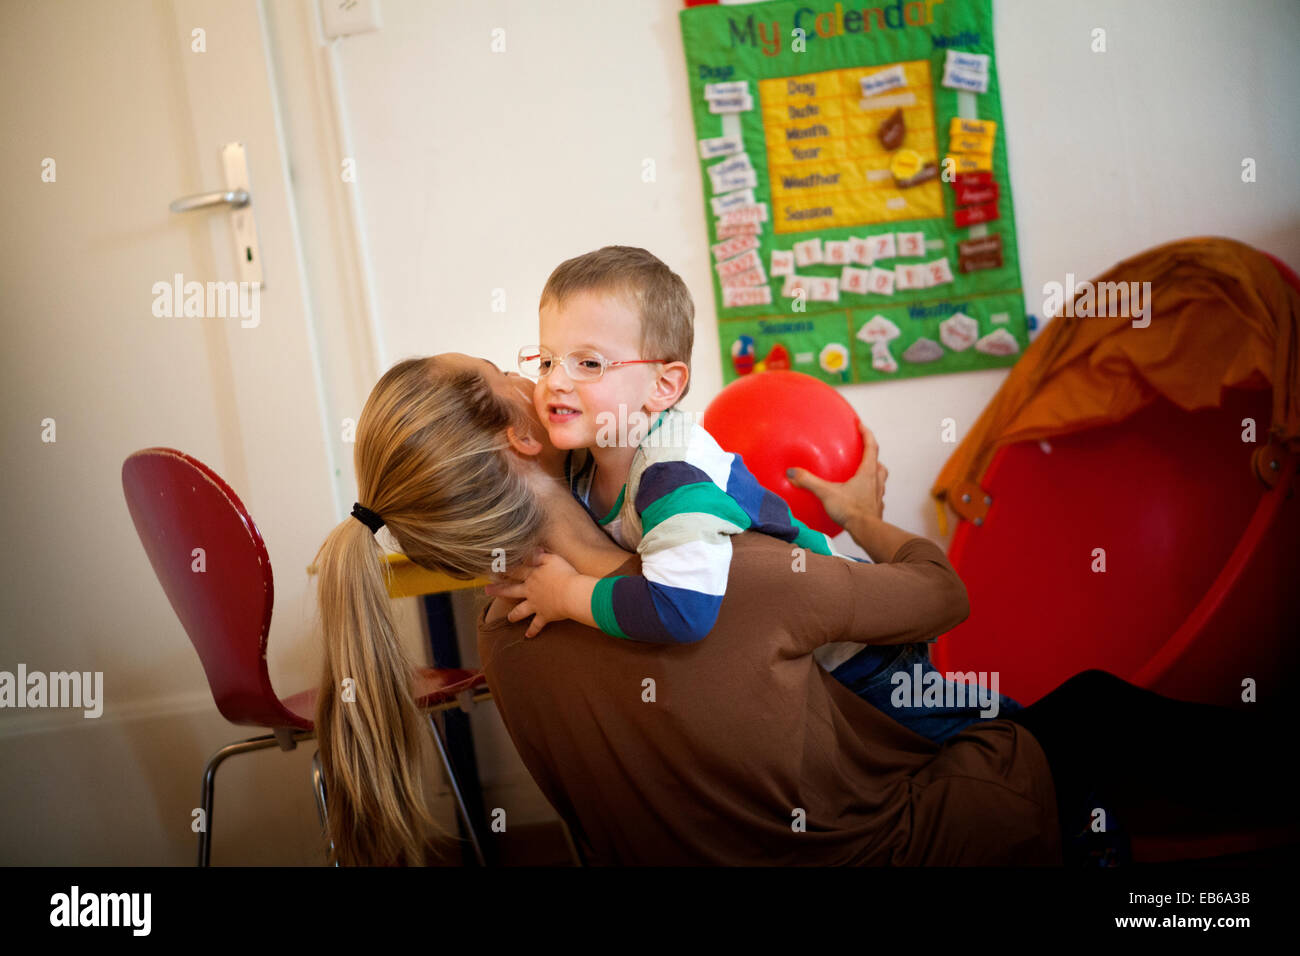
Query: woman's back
x,y
741,750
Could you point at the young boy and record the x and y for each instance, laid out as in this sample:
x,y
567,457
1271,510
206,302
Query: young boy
x,y
617,327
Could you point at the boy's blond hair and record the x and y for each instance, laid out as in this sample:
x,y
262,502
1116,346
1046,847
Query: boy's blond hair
x,y
658,294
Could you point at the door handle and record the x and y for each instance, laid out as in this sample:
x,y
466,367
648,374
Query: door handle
x,y
235,198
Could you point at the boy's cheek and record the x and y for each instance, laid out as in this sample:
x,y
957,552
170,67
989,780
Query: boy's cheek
x,y
562,441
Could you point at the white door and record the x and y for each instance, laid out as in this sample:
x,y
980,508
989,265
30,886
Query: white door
x,y
112,111
276,383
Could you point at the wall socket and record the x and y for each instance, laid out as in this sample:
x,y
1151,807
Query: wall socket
x,y
345,17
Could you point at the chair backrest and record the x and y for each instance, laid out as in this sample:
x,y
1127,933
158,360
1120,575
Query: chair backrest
x,y
212,564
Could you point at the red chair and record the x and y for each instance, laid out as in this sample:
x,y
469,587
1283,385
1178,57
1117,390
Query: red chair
x,y
178,505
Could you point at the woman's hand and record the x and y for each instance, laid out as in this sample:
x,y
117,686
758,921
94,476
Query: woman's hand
x,y
863,495
551,590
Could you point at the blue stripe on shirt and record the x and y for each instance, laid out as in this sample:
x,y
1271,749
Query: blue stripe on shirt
x,y
663,614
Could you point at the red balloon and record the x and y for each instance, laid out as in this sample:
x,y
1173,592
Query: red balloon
x,y
777,420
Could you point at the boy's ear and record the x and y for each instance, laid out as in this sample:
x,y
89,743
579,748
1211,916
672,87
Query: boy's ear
x,y
669,386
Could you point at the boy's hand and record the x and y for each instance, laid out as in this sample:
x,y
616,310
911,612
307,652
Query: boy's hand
x,y
863,494
551,590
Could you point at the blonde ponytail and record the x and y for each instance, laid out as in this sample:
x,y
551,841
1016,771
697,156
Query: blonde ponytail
x,y
433,462
370,732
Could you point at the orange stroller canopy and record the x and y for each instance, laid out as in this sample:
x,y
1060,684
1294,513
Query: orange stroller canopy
x,y
1217,314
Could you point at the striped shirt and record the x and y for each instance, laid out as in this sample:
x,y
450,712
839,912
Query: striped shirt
x,y
684,499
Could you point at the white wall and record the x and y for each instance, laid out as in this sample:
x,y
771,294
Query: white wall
x,y
483,171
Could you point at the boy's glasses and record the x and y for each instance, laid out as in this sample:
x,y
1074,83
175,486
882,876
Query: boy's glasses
x,y
581,365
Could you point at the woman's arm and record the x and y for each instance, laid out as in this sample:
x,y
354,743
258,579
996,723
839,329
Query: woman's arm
x,y
911,594
916,597
877,537
824,599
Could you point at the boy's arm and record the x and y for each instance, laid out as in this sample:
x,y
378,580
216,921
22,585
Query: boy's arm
x,y
687,522
578,606
627,606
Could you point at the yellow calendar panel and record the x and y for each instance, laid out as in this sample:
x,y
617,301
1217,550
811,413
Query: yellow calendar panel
x,y
827,163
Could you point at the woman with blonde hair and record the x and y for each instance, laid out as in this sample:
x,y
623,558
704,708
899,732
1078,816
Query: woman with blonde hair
x,y
739,749
432,458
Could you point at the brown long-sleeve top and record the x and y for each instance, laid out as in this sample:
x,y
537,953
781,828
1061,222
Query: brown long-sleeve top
x,y
740,750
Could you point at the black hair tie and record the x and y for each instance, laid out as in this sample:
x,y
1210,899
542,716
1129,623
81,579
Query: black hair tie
x,y
367,517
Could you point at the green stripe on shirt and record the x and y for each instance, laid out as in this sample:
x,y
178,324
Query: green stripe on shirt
x,y
702,497
813,541
613,512
602,607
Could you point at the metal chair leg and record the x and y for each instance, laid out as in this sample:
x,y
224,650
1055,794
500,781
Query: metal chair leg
x,y
210,780
318,787
455,789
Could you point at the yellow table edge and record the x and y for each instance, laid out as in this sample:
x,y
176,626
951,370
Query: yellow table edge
x,y
408,579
